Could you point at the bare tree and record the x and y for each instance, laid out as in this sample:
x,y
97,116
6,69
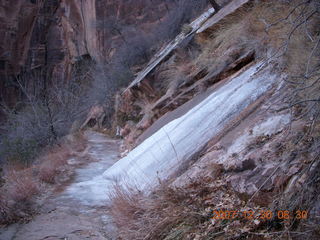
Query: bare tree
x,y
303,17
43,115
302,46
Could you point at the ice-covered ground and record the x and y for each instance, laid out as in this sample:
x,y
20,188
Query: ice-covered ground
x,y
89,187
75,213
160,155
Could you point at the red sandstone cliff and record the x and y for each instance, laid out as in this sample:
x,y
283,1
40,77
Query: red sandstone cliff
x,y
54,34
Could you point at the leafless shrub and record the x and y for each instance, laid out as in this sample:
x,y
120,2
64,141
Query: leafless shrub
x,y
45,113
183,12
52,163
138,46
17,194
138,216
300,49
21,185
175,73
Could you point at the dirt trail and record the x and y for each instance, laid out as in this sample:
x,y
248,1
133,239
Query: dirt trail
x,y
71,215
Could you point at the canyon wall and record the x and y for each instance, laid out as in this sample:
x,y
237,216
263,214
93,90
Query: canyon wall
x,y
45,36
49,36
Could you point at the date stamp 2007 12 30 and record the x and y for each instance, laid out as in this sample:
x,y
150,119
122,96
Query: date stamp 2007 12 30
x,y
261,214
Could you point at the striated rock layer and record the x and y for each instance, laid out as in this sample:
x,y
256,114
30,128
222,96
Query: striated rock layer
x,y
48,35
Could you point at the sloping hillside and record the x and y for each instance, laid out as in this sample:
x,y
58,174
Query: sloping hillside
x,y
216,127
223,128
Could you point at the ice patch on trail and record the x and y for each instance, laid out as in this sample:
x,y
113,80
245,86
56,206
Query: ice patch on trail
x,y
162,154
89,187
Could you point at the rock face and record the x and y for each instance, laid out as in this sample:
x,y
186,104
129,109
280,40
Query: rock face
x,y
16,26
15,32
33,32
253,149
151,95
162,154
45,34
52,35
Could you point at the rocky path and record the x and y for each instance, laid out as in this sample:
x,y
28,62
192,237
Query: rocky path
x,y
75,214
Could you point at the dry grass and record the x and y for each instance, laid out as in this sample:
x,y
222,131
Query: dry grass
x,y
284,32
168,213
181,213
173,74
303,192
17,194
184,212
139,217
53,162
22,184
173,211
250,28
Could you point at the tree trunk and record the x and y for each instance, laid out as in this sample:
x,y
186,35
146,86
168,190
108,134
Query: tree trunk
x,y
215,5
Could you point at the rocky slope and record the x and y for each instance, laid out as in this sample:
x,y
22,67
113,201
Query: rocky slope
x,y
214,113
225,117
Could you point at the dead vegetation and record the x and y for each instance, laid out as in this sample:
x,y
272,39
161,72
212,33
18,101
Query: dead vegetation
x,y
300,48
189,213
53,163
282,32
24,184
17,195
168,213
198,65
186,212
